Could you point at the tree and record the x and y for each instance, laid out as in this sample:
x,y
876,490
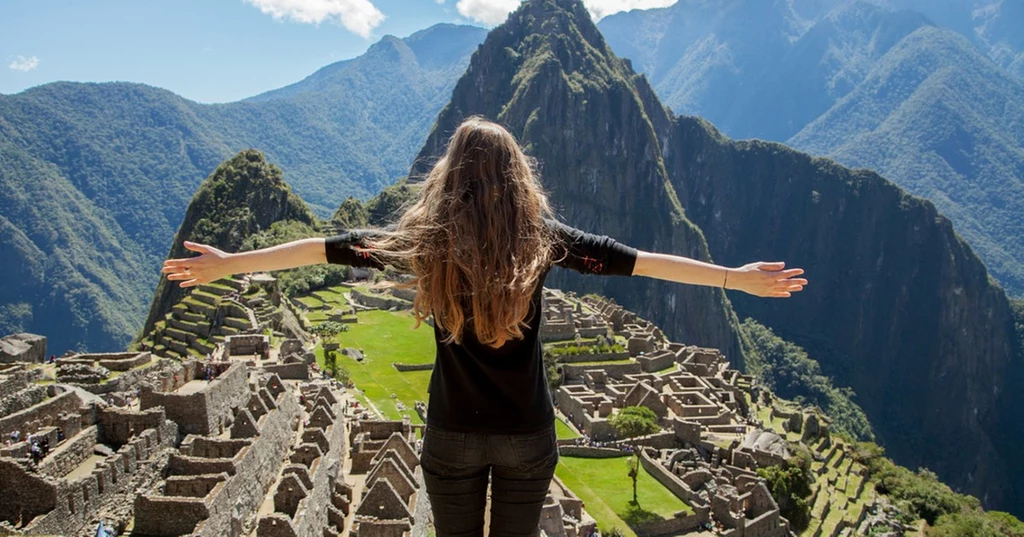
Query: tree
x,y
631,422
790,485
328,331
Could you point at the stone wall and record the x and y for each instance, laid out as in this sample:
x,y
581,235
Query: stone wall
x,y
117,425
22,399
45,414
123,361
230,503
292,371
413,367
23,347
656,361
131,379
669,480
317,508
590,452
383,302
681,523
662,440
618,371
207,411
15,377
67,456
62,507
594,357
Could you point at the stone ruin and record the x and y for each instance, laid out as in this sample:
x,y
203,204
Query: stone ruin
x,y
393,502
232,447
98,456
565,319
22,347
246,345
709,448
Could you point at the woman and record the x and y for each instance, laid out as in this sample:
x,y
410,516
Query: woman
x,y
479,242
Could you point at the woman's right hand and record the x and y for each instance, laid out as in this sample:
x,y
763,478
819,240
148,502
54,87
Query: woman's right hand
x,y
212,265
766,279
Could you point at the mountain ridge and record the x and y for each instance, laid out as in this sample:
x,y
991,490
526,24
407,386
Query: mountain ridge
x,y
550,77
818,93
137,154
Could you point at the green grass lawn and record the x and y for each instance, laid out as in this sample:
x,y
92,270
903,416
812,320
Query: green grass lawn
x,y
605,488
386,337
333,295
564,431
310,302
604,362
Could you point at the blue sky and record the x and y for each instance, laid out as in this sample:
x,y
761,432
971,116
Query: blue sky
x,y
216,50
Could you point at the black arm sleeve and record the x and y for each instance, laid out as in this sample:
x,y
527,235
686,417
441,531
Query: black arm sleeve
x,y
345,249
591,254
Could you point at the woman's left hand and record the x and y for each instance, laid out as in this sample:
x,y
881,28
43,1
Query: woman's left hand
x,y
212,265
766,279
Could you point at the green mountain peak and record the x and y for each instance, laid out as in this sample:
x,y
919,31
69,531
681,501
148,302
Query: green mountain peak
x,y
244,196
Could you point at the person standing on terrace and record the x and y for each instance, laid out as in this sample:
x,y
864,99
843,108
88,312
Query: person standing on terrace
x,y
479,242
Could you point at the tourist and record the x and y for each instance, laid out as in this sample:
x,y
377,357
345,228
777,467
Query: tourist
x,y
479,242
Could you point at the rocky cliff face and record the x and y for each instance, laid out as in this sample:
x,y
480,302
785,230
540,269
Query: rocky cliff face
x,y
898,308
244,195
548,75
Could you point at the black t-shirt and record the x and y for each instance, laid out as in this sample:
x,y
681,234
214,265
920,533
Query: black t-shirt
x,y
476,388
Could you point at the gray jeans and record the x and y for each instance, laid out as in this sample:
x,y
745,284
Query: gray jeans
x,y
456,468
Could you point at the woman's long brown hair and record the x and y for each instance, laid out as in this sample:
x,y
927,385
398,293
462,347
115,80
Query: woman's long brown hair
x,y
475,240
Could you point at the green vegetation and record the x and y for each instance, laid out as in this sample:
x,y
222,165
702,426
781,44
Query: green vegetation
x,y
873,86
920,495
383,209
787,370
978,524
301,280
386,337
563,430
96,177
576,350
634,421
631,422
242,197
790,485
598,482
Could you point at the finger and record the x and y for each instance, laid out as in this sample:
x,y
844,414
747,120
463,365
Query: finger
x,y
190,283
196,247
780,294
791,272
179,262
181,276
774,265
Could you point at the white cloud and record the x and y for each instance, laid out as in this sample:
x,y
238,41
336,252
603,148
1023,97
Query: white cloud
x,y
359,16
490,12
600,9
23,64
494,12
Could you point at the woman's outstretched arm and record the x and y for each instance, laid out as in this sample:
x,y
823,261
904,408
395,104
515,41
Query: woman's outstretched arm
x,y
215,264
760,278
